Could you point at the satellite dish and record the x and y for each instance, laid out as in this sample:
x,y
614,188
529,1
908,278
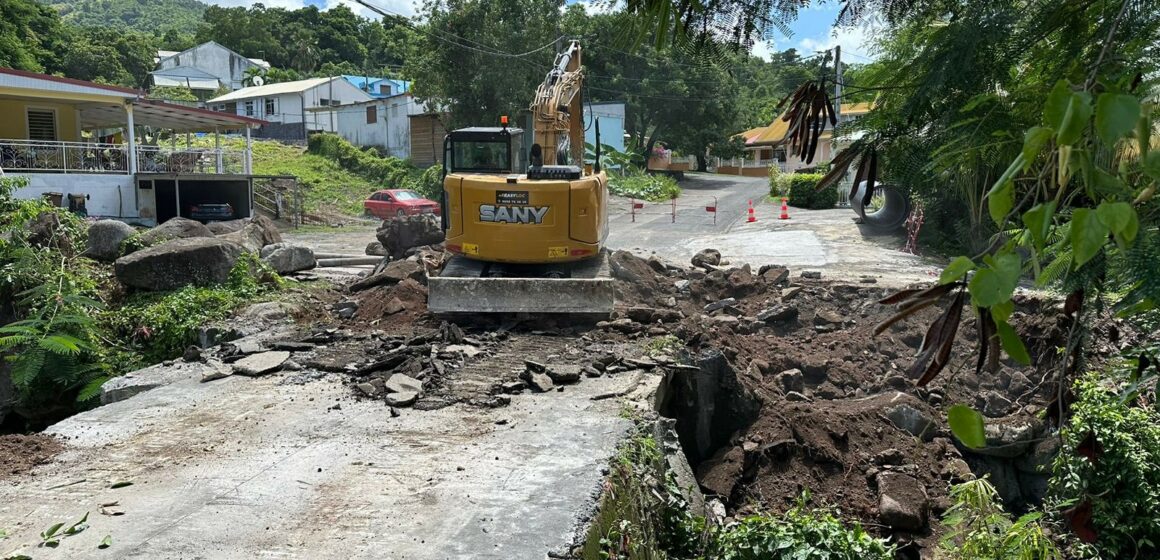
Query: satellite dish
x,y
259,81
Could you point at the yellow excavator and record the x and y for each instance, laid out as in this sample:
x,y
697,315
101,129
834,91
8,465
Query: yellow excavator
x,y
526,239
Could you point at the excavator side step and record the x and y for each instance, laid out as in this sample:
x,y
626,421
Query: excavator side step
x,y
468,286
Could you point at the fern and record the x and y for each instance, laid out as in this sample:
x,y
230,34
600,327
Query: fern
x,y
27,366
92,390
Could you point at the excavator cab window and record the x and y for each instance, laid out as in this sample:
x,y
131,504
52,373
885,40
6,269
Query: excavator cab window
x,y
483,150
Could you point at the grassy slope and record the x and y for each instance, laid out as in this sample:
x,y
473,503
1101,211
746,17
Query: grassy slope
x,y
328,187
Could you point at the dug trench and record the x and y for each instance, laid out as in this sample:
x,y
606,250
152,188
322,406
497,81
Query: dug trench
x,y
775,385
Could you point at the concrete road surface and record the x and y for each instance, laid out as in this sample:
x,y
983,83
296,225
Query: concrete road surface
x,y
246,468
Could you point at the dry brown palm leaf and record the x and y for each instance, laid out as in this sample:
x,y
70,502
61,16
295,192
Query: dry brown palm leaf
x,y
935,352
987,331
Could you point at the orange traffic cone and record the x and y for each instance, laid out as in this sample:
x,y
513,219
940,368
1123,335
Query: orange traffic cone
x,y
752,217
784,209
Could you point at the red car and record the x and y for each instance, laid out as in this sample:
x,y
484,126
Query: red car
x,y
390,203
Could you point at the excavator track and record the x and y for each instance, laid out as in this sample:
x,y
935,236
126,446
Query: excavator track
x,y
471,286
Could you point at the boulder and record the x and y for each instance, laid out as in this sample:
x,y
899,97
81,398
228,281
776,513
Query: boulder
x,y
711,257
261,363
376,249
912,421
791,380
401,383
200,261
398,235
403,398
228,226
539,382
174,228
393,273
255,235
564,373
775,275
902,501
285,258
778,313
105,238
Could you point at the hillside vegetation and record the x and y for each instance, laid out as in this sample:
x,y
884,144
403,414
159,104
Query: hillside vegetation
x,y
148,16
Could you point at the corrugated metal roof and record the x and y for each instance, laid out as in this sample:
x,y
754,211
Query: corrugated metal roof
x,y
271,89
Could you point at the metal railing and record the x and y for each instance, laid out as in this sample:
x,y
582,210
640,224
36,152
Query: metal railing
x,y
156,159
63,157
749,163
280,197
35,156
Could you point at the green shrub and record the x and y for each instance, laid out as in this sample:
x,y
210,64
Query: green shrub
x,y
978,529
162,325
430,183
803,192
800,534
1122,481
778,182
654,188
392,172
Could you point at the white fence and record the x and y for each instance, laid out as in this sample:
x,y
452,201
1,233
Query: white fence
x,y
32,156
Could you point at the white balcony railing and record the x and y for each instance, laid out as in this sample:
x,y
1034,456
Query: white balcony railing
x,y
749,163
154,159
33,156
63,157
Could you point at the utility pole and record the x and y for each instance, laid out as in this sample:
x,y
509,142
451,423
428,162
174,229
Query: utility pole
x,y
838,81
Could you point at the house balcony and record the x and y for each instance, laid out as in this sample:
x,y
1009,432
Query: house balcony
x,y
32,156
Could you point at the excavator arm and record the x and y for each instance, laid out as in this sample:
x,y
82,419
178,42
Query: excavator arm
x,y
558,110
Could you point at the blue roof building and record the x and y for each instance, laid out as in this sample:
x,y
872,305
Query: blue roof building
x,y
379,87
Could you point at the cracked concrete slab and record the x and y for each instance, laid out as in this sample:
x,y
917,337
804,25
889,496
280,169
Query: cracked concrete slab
x,y
251,468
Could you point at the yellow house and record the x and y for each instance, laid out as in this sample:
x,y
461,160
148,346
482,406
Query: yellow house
x,y
764,146
72,137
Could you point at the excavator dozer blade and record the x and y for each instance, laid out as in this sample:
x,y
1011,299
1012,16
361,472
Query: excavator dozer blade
x,y
468,286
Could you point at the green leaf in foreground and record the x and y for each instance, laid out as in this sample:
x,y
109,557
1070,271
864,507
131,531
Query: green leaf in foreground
x,y
1011,342
967,425
106,542
1088,235
956,270
1116,116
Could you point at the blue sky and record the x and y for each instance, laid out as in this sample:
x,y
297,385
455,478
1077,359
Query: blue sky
x,y
811,32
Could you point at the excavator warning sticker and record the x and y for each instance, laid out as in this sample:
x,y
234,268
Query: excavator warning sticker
x,y
511,197
557,252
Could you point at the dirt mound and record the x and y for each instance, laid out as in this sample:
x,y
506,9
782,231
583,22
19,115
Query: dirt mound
x,y
399,304
838,413
20,453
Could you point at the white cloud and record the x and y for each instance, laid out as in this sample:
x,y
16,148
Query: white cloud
x,y
764,49
600,6
857,43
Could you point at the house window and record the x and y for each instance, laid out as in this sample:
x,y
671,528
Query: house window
x,y
372,114
249,108
42,124
269,106
329,102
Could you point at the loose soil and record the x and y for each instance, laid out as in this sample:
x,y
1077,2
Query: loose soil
x,y
20,453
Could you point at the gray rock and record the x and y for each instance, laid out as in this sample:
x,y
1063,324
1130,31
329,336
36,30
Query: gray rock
x,y
135,382
104,239
721,304
957,470
259,233
228,226
711,257
902,501
681,285
655,263
375,249
1019,384
200,261
539,382
1038,459
790,293
564,373
778,313
794,396
827,317
401,234
912,421
512,387
401,383
812,274
404,398
262,363
174,228
773,274
996,405
468,350
1007,439
218,370
345,309
393,273
285,258
791,380
368,389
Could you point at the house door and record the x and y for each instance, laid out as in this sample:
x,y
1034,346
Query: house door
x,y
147,200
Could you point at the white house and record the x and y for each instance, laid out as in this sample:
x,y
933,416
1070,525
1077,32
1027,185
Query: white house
x,y
80,141
383,123
289,108
204,68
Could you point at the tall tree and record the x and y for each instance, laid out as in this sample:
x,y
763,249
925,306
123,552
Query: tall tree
x,y
31,35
